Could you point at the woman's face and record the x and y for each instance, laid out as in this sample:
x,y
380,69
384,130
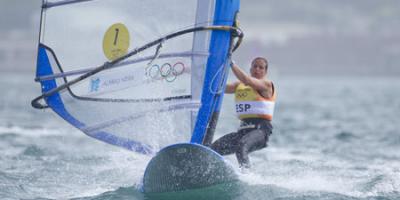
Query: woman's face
x,y
258,69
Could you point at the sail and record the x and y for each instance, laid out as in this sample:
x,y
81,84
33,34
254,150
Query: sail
x,y
137,74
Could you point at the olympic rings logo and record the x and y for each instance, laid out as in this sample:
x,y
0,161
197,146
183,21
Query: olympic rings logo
x,y
167,71
241,95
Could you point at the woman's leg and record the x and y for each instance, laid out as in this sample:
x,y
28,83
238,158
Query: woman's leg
x,y
252,141
227,144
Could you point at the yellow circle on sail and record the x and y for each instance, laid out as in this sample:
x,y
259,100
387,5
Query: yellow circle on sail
x,y
116,41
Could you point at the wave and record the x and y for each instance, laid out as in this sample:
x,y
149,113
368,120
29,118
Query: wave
x,y
30,131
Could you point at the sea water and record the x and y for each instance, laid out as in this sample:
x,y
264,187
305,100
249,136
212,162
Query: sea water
x,y
333,138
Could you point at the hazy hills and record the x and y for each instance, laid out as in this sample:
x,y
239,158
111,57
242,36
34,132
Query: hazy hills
x,y
309,37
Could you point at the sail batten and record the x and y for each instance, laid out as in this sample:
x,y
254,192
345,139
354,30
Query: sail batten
x,y
181,106
83,71
62,3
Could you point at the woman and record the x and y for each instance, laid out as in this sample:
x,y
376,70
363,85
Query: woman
x,y
255,101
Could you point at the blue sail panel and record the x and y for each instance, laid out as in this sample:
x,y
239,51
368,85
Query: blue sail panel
x,y
225,12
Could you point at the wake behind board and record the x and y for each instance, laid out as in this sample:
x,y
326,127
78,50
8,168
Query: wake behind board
x,y
186,166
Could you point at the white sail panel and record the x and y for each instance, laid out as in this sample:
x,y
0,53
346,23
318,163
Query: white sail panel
x,y
132,73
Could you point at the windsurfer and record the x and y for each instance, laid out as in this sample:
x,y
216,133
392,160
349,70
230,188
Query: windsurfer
x,y
255,99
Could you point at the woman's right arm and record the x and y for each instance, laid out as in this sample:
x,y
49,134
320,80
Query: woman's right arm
x,y
231,87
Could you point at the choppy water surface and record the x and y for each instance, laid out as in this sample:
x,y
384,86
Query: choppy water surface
x,y
334,138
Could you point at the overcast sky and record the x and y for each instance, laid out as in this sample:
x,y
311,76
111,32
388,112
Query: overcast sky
x,y
272,27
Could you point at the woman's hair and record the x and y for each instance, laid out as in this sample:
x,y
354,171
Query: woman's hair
x,y
263,59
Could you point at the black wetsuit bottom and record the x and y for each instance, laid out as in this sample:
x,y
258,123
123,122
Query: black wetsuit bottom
x,y
253,134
